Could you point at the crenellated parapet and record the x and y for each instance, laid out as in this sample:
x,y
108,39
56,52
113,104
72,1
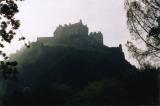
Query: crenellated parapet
x,y
97,37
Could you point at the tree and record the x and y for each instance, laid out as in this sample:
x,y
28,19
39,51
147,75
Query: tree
x,y
8,26
144,25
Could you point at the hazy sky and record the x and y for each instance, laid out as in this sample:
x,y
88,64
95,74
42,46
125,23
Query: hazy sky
x,y
41,17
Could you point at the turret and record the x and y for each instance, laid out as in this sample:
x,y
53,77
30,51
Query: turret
x,y
120,47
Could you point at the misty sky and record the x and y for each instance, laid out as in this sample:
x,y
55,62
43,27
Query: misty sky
x,y
41,17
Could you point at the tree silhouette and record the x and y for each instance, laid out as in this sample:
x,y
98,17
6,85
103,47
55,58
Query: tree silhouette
x,y
8,26
144,24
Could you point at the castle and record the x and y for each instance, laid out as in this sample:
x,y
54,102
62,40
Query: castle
x,y
74,35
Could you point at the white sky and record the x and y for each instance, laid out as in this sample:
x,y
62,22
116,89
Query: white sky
x,y
41,17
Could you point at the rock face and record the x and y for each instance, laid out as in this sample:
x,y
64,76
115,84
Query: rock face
x,y
74,35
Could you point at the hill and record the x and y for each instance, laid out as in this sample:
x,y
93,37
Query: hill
x,y
75,68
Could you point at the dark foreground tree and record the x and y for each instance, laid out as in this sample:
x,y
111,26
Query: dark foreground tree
x,y
144,24
8,26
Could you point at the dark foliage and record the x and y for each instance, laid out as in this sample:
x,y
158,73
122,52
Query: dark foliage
x,y
143,20
8,26
71,76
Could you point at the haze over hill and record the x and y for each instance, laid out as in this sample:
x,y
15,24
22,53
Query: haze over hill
x,y
74,67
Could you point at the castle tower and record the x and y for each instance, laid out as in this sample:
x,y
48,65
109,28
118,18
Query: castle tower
x,y
97,38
